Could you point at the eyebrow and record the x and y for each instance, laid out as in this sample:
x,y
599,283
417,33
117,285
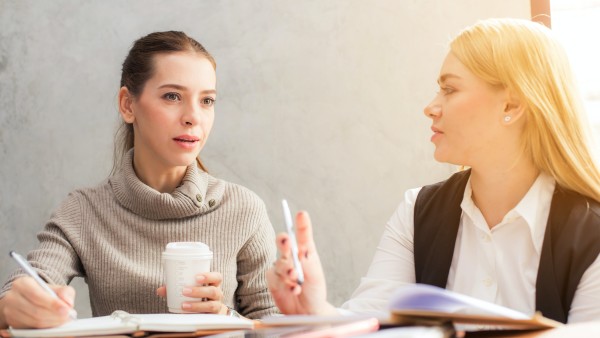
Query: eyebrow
x,y
446,76
180,87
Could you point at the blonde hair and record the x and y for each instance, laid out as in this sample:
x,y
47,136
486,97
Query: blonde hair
x,y
525,58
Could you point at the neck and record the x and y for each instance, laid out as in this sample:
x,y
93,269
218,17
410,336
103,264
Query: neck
x,y
163,179
498,189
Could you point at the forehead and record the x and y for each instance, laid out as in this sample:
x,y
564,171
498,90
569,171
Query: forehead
x,y
452,68
187,69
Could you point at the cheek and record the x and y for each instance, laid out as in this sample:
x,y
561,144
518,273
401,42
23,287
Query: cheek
x,y
209,122
474,115
151,113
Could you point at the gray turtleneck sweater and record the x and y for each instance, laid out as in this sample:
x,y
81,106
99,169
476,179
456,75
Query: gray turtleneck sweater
x,y
113,236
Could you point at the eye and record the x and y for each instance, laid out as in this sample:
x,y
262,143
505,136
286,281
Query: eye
x,y
208,101
172,97
446,90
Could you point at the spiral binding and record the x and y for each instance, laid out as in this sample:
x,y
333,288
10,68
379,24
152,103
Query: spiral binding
x,y
125,317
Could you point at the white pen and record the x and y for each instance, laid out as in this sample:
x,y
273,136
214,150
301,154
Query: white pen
x,y
31,272
288,224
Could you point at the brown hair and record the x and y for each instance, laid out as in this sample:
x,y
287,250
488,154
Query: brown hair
x,y
138,67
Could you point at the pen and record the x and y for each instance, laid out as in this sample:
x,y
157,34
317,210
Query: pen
x,y
288,224
31,272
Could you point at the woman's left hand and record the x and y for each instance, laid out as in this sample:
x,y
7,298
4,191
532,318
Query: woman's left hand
x,y
207,290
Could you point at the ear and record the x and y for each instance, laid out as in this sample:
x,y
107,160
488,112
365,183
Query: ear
x,y
125,105
514,109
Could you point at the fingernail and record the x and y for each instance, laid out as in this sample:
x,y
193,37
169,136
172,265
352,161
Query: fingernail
x,y
186,291
186,306
200,278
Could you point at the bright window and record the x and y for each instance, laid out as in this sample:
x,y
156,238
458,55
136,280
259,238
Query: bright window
x,y
577,24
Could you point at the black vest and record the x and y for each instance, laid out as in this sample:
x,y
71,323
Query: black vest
x,y
571,241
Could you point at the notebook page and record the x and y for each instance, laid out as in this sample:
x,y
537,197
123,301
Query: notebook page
x,y
172,322
87,326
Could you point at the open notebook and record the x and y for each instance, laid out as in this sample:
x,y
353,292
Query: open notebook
x,y
121,322
420,303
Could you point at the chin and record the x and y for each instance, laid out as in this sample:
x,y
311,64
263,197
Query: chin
x,y
439,156
445,158
184,161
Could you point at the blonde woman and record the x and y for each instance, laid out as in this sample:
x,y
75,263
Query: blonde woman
x,y
521,226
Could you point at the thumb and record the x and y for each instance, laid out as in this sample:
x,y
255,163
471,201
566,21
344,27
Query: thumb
x,y
162,291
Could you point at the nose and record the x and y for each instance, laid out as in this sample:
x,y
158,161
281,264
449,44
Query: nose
x,y
192,115
433,109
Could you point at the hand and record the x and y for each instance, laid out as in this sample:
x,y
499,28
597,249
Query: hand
x,y
27,305
207,290
311,296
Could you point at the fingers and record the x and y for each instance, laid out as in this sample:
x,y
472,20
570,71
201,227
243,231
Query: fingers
x,y
203,292
30,306
206,292
283,245
304,233
205,307
209,294
66,293
209,278
33,293
27,317
161,291
283,275
283,294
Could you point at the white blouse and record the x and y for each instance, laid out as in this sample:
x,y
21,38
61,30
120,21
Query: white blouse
x,y
498,265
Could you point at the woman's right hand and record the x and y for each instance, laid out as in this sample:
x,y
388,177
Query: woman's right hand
x,y
27,305
311,296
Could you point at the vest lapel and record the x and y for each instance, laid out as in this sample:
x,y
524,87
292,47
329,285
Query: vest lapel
x,y
548,297
437,217
571,244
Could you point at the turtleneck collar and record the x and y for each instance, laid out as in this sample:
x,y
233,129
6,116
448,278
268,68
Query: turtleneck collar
x,y
197,193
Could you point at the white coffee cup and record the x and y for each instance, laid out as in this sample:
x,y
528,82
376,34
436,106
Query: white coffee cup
x,y
182,262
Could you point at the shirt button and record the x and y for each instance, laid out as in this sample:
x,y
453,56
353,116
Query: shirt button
x,y
199,198
211,203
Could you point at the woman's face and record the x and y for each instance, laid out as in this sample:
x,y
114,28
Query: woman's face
x,y
174,113
467,115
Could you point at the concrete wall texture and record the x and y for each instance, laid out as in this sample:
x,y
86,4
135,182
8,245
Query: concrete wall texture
x,y
320,102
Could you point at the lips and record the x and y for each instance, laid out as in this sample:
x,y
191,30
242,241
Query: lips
x,y
436,134
186,138
187,142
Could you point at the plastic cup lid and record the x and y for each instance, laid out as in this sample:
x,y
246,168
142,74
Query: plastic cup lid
x,y
187,248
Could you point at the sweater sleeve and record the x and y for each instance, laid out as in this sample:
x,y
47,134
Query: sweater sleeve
x,y
252,296
55,259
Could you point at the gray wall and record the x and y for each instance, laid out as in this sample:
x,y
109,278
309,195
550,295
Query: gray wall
x,y
319,102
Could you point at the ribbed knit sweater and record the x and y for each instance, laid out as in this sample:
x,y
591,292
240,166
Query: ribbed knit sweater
x,y
113,235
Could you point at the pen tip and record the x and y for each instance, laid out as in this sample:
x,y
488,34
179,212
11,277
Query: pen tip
x,y
10,253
